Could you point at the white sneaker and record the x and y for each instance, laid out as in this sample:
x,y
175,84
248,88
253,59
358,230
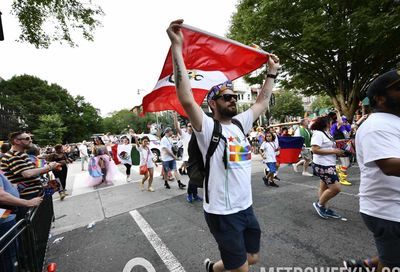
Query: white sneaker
x,y
307,174
295,168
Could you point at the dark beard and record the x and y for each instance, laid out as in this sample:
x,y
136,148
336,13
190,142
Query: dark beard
x,y
226,112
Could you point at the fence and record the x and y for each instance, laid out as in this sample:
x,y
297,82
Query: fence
x,y
30,234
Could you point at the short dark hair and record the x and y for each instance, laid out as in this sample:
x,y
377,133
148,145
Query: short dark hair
x,y
5,147
321,123
13,135
145,138
58,146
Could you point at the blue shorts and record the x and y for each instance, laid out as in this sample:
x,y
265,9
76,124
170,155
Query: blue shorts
x,y
169,165
387,239
271,167
236,235
326,173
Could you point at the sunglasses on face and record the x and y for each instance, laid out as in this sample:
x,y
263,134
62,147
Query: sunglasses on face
x,y
26,139
227,97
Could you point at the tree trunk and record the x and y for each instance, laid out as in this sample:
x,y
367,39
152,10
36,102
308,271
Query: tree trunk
x,y
347,108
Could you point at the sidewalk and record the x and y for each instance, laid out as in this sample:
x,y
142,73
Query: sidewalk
x,y
86,205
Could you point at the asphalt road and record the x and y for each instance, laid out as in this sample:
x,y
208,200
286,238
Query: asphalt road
x,y
293,234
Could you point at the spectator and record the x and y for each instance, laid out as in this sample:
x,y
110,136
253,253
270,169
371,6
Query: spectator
x,y
83,154
9,200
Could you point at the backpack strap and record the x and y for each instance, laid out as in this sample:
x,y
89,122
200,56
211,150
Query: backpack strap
x,y
216,136
238,124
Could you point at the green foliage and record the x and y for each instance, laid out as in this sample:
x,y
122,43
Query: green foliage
x,y
322,102
50,130
27,98
326,47
35,17
287,104
120,122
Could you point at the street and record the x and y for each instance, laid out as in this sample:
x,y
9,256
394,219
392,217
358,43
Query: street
x,y
160,231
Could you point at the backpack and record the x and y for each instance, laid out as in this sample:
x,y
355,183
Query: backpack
x,y
198,170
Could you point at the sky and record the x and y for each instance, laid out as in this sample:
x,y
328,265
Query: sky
x,y
126,56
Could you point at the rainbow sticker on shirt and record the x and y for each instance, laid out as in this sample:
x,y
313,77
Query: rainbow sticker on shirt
x,y
239,152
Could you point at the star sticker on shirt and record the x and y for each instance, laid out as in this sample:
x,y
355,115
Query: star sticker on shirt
x,y
231,139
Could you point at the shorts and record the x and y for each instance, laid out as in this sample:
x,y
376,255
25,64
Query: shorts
x,y
306,154
272,167
387,239
326,173
236,235
169,165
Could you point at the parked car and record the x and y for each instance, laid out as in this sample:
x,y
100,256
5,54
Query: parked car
x,y
154,145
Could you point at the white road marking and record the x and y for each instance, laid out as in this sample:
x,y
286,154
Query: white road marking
x,y
165,254
139,262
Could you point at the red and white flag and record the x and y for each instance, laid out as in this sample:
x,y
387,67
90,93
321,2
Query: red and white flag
x,y
210,60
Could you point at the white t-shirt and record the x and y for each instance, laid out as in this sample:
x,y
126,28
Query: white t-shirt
x,y
320,139
229,190
145,154
269,151
83,151
379,138
166,143
185,138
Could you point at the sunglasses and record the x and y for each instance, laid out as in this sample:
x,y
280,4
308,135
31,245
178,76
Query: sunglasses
x,y
226,97
26,139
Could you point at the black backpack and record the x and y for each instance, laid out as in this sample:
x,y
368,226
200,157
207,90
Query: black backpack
x,y
198,171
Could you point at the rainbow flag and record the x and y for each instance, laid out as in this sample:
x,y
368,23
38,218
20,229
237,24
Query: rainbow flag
x,y
290,149
40,163
4,213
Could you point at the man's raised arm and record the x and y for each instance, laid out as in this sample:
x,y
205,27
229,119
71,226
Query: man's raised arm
x,y
264,96
182,83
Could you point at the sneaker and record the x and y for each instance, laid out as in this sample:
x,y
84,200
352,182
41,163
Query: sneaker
x,y
354,265
128,179
265,181
307,174
208,264
166,185
332,214
320,210
345,182
150,189
295,168
198,198
189,198
277,178
273,184
62,196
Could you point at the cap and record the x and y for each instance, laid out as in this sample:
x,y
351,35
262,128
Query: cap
x,y
385,81
344,118
167,129
217,89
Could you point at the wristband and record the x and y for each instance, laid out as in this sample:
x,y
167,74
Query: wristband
x,y
272,75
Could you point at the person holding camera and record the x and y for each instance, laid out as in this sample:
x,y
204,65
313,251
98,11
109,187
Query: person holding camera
x,y
324,149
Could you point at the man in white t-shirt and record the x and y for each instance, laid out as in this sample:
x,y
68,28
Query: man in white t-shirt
x,y
169,159
228,211
83,154
378,155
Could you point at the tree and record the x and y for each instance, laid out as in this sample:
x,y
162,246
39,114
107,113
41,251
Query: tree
x,y
50,130
65,16
120,121
326,47
322,101
27,98
287,104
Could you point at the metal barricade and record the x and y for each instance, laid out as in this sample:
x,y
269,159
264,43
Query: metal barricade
x,y
30,235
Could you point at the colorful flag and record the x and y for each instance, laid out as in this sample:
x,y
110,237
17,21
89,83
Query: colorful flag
x,y
290,149
210,60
